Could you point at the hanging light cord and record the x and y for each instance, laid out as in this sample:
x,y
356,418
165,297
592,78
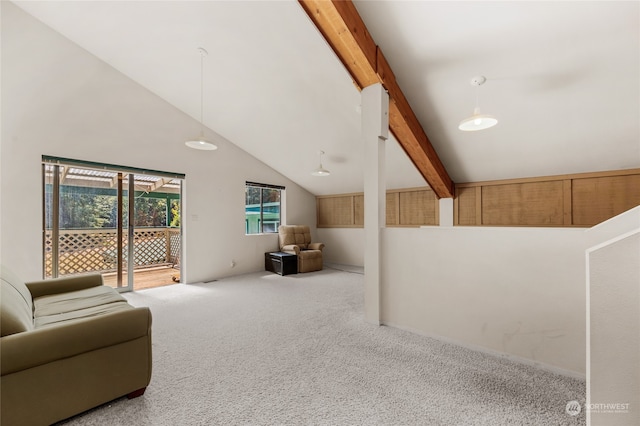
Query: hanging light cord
x,y
201,142
202,53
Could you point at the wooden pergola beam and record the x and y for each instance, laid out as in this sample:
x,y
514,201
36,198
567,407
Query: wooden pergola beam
x,y
341,25
159,184
65,172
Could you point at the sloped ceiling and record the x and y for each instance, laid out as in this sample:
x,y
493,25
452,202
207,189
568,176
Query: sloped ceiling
x,y
562,80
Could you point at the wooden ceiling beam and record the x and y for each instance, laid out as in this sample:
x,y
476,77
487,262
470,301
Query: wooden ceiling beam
x,y
341,25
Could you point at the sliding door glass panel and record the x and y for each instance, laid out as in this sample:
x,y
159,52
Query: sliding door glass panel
x,y
80,222
123,274
156,233
50,237
87,213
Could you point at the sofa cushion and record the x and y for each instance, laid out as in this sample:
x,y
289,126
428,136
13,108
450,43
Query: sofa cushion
x,y
68,317
16,310
56,304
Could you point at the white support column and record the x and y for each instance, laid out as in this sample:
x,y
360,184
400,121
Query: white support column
x,y
375,131
446,211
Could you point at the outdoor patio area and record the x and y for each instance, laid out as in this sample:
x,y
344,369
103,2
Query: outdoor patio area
x,y
156,255
147,278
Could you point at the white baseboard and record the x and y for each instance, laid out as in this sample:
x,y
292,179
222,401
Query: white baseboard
x,y
542,366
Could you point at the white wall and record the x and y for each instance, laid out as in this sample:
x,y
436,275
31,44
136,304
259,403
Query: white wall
x,y
613,286
344,246
57,99
516,291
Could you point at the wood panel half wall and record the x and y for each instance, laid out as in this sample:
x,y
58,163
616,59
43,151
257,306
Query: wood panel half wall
x,y
405,207
581,200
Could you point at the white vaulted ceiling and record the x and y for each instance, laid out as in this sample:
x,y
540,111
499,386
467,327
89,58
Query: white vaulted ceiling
x,y
563,80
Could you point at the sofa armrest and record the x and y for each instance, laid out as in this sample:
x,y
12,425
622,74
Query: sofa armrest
x,y
315,246
29,349
63,285
291,248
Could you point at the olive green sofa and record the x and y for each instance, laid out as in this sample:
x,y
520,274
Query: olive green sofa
x,y
68,345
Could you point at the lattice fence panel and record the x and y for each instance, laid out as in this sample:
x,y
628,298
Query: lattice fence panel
x,y
48,259
150,247
82,251
86,251
174,246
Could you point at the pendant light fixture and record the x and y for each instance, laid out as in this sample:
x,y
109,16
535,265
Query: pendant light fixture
x,y
477,121
321,171
200,142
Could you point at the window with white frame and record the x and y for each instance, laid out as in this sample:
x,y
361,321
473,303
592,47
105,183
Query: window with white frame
x,y
262,208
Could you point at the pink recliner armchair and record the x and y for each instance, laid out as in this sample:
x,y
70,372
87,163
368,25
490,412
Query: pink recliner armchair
x,y
296,239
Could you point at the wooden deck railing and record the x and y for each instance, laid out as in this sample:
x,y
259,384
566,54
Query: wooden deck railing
x,y
95,250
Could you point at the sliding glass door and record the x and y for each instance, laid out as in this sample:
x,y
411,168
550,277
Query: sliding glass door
x,y
123,225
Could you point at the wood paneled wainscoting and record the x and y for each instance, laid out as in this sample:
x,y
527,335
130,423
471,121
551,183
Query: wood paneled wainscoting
x,y
405,207
581,200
